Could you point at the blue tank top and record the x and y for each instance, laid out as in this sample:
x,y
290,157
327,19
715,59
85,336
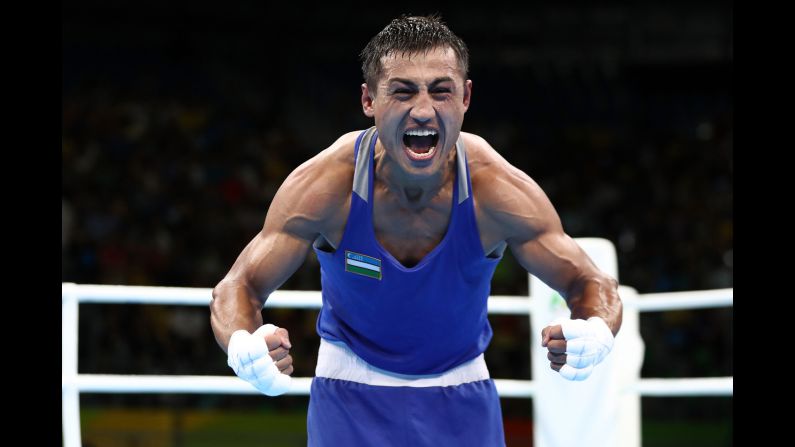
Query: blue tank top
x,y
420,320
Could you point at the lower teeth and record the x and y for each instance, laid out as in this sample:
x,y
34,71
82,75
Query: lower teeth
x,y
423,154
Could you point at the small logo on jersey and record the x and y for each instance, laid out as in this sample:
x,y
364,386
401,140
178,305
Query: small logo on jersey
x,y
362,265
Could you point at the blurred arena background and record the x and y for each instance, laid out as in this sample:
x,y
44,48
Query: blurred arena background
x,y
181,119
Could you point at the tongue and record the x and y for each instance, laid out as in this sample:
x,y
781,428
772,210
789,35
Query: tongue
x,y
420,145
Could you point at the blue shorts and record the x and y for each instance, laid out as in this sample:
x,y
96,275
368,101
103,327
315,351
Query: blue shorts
x,y
344,413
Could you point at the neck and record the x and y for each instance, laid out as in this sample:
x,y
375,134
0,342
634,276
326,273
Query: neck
x,y
412,192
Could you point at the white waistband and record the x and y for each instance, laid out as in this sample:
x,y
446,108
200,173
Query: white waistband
x,y
336,361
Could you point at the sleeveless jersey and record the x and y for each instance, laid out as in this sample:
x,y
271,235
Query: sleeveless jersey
x,y
424,319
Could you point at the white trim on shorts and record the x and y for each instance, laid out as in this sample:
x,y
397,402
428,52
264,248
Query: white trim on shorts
x,y
335,360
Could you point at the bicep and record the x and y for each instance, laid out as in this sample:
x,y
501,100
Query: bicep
x,y
263,265
518,212
277,251
536,238
269,259
554,257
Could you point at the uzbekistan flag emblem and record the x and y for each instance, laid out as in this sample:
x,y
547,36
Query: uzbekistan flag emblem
x,y
362,265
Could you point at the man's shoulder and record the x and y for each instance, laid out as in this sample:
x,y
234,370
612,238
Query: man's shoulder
x,y
331,165
496,183
338,154
478,150
486,163
324,182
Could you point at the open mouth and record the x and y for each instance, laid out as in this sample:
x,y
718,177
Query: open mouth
x,y
420,143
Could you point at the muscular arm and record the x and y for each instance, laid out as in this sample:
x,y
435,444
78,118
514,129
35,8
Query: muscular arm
x,y
266,262
304,208
557,260
516,208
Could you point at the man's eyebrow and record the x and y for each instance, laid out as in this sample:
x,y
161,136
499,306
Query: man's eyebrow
x,y
410,82
401,80
440,80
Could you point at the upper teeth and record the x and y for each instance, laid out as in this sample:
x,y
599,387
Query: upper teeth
x,y
421,132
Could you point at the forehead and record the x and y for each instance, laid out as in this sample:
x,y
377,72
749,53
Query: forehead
x,y
436,62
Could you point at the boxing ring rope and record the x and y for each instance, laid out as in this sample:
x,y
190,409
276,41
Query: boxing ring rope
x,y
72,383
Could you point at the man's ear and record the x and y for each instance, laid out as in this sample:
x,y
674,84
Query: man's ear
x,y
367,101
467,93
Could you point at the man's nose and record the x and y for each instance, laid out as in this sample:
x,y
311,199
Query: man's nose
x,y
422,112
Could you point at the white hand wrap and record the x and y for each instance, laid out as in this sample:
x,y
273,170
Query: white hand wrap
x,y
248,357
587,344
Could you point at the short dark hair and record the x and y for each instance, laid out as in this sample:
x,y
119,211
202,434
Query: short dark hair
x,y
410,34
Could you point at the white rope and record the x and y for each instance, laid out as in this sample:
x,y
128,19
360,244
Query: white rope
x,y
708,386
310,299
650,302
138,384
